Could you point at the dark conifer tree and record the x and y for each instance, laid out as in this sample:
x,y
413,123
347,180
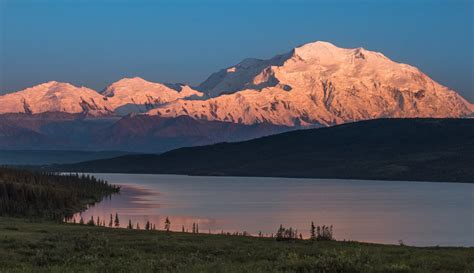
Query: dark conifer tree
x,y
91,221
280,233
116,221
312,232
167,224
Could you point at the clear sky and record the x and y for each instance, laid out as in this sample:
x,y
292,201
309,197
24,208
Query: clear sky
x,y
96,42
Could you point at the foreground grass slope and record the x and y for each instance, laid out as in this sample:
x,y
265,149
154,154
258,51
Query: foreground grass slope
x,y
50,247
384,149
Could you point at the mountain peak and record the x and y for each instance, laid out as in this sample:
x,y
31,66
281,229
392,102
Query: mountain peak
x,y
131,80
136,94
50,83
319,83
317,44
54,84
134,79
54,96
323,51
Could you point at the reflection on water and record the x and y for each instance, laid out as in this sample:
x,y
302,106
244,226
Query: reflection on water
x,y
371,211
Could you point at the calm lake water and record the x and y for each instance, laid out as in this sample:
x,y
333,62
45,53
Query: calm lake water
x,y
418,213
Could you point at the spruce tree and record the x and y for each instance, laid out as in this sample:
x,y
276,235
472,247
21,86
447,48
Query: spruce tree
x,y
167,224
116,221
312,232
280,233
130,226
91,221
111,222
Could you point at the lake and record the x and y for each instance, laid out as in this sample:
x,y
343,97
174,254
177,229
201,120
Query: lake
x,y
418,213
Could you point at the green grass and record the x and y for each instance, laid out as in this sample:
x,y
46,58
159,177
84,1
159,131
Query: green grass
x,y
50,247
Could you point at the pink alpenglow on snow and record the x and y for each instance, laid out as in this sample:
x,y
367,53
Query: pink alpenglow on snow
x,y
319,83
314,84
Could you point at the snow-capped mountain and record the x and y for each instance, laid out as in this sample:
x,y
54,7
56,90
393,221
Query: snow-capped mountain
x,y
319,83
138,95
121,98
55,97
241,76
314,84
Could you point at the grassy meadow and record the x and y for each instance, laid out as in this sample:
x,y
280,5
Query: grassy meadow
x,y
29,246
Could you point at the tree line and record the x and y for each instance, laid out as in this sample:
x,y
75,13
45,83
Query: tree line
x,y
317,233
48,195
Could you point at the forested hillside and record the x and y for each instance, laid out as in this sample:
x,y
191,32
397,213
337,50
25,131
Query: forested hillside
x,y
383,149
48,195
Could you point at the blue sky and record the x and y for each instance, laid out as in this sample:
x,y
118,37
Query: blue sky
x,y
94,43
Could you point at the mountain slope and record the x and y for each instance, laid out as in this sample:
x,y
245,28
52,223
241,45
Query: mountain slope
x,y
157,134
319,83
393,149
136,95
55,97
129,95
41,157
141,133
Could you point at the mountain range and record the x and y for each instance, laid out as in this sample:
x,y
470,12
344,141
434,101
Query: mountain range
x,y
313,85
